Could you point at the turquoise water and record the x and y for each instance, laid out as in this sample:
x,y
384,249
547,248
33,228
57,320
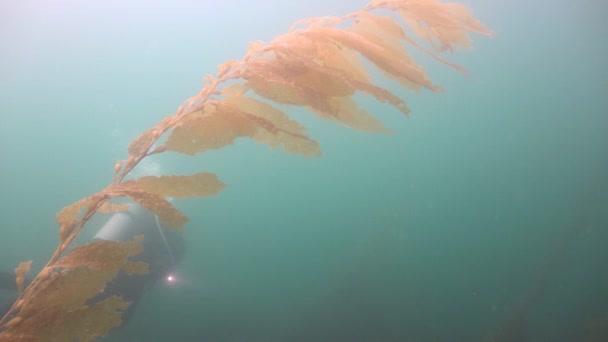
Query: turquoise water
x,y
491,194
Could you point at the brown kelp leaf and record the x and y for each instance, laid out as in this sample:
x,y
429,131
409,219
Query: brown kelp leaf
x,y
55,307
314,78
66,290
445,26
197,185
323,53
331,98
236,117
283,88
68,217
234,90
366,27
289,81
349,113
275,88
385,57
144,141
271,79
102,254
381,25
379,93
278,128
383,95
90,322
165,211
389,29
207,130
21,271
136,267
345,60
63,315
141,144
70,213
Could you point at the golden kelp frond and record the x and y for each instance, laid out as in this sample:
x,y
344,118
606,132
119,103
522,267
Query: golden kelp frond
x,y
68,217
225,121
365,86
380,25
206,130
51,308
197,185
234,90
276,80
91,203
385,57
70,213
293,77
394,50
278,128
349,112
166,212
144,141
21,271
90,322
322,53
289,81
383,95
445,26
334,56
314,78
136,267
102,254
390,29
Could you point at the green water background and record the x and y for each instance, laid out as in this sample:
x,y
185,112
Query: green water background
x,y
433,233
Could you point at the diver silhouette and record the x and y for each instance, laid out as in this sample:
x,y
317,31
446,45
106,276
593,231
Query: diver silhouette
x,y
162,251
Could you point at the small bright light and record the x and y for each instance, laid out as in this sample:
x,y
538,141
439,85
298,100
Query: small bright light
x,y
170,278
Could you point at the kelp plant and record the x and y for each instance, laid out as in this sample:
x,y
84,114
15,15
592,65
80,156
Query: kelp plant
x,y
319,64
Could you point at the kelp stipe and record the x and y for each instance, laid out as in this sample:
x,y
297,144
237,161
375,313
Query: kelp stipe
x,y
317,64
